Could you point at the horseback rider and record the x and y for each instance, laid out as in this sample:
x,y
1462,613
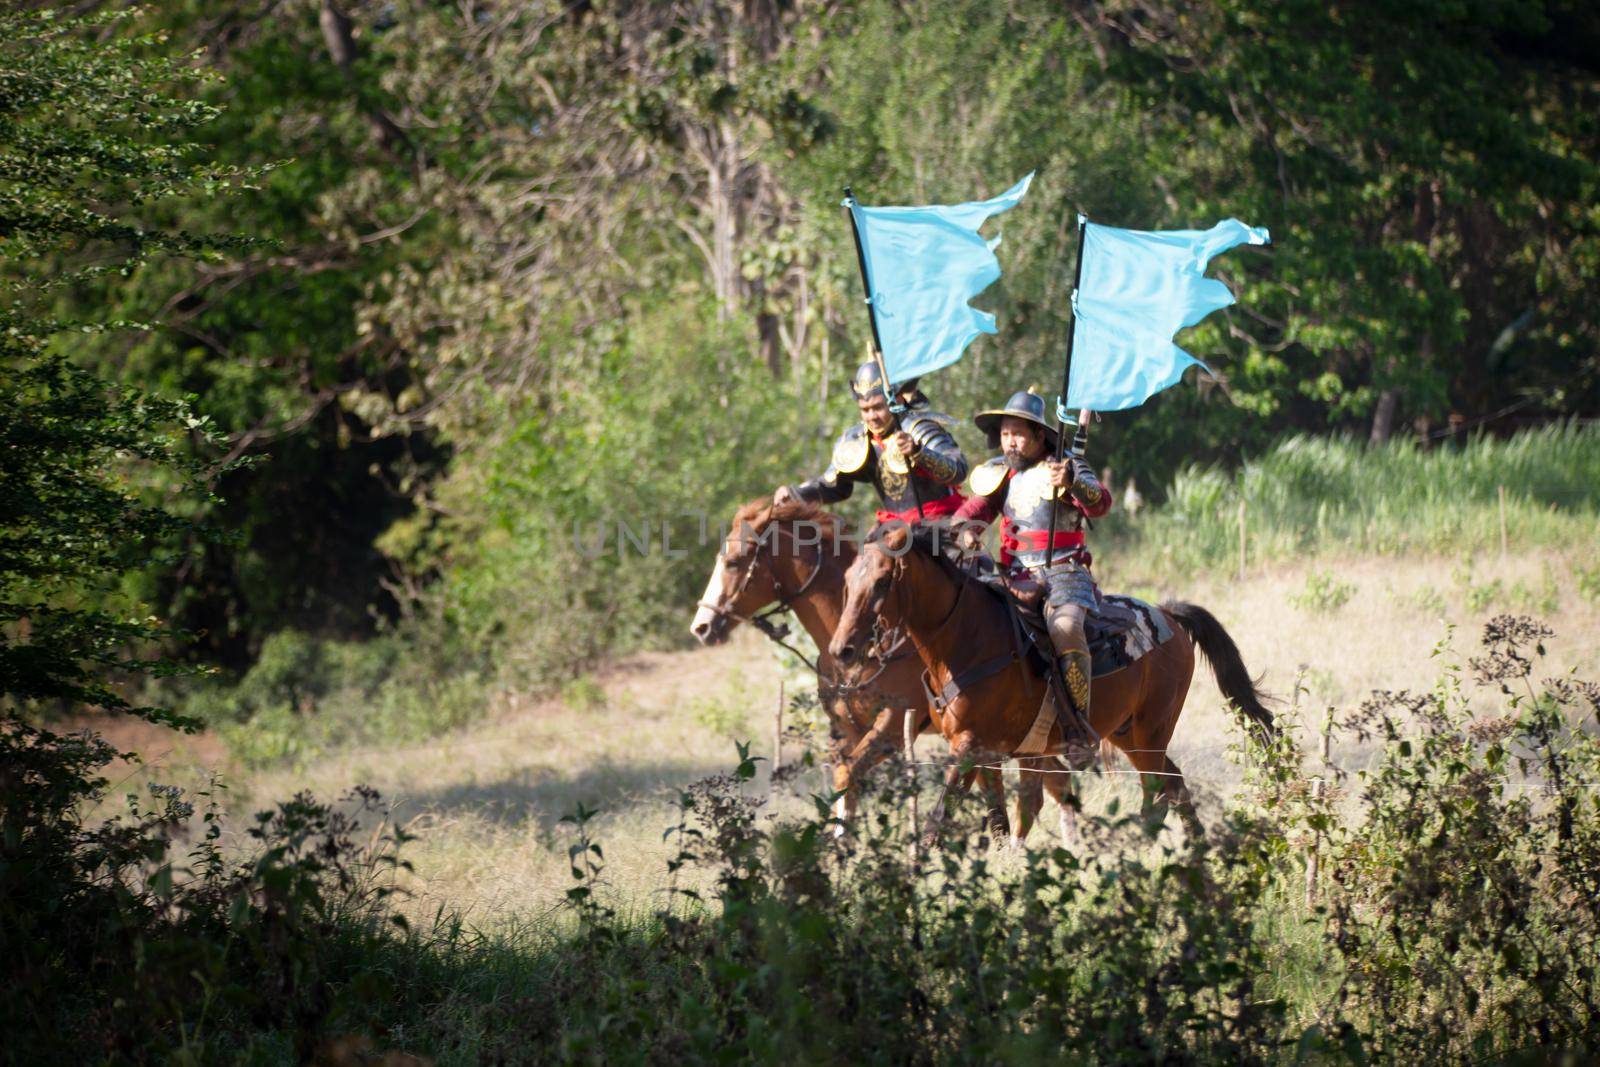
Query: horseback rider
x,y
1024,485
910,458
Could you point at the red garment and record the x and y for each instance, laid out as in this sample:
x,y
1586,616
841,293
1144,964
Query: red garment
x,y
983,509
1013,541
931,509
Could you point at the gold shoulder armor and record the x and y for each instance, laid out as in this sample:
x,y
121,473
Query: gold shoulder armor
x,y
850,452
986,477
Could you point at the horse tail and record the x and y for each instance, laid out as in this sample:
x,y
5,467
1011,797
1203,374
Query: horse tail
x,y
1216,644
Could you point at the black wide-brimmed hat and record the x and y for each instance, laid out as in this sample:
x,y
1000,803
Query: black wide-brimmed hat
x,y
1026,405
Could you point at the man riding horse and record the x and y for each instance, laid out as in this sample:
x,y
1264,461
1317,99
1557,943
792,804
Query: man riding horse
x,y
910,459
1024,485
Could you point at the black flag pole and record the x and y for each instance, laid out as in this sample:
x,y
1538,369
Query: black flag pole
x,y
1082,435
877,342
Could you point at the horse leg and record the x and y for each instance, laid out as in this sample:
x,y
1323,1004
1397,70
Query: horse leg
x,y
1164,678
1062,784
1165,787
1177,793
843,737
955,779
994,791
876,745
1030,798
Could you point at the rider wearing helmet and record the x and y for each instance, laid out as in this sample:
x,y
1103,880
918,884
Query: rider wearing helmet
x,y
909,457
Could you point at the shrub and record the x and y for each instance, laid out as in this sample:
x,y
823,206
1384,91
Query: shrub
x,y
133,940
1455,919
1324,593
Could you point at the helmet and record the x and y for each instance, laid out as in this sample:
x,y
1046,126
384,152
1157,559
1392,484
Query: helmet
x,y
1026,405
868,379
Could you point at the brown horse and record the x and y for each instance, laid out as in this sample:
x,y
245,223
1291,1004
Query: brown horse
x,y
795,557
965,638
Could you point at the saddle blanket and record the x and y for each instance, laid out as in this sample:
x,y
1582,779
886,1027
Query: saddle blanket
x,y
1121,630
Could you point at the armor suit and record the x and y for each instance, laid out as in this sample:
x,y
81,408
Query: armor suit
x,y
936,466
1025,500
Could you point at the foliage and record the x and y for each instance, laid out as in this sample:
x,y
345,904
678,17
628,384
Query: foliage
x,y
1427,179
98,478
133,941
503,221
1454,919
121,944
1324,592
1318,495
305,696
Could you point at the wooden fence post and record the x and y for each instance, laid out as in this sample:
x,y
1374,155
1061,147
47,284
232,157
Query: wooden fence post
x,y
1502,521
910,731
1241,539
777,743
1318,790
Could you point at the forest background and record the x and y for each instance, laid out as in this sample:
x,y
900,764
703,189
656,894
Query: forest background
x,y
323,325
463,278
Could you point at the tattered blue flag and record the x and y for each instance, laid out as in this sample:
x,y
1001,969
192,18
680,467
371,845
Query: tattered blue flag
x,y
923,264
1137,289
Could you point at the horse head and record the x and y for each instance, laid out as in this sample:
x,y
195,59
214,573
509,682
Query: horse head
x,y
764,543
866,589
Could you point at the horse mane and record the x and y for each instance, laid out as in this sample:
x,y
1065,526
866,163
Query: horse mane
x,y
932,540
761,513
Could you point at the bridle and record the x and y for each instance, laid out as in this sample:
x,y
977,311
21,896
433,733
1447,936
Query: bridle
x,y
895,576
777,632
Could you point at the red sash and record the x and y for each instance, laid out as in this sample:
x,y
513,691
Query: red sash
x,y
931,509
1013,540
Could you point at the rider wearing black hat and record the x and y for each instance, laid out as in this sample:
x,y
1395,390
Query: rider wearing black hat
x,y
1024,485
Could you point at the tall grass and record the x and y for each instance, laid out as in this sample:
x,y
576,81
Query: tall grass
x,y
1312,495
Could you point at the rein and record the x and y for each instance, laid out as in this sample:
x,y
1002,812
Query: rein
x,y
962,679
778,632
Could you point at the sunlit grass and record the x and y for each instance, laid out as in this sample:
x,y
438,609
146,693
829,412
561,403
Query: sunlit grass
x,y
1314,495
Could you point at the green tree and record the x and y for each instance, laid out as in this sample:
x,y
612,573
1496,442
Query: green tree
x,y
272,339
97,478
1429,175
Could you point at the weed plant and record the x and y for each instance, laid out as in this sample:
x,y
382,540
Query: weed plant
x,y
1456,918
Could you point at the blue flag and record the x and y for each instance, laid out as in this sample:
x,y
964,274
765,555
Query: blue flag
x,y
923,264
1137,289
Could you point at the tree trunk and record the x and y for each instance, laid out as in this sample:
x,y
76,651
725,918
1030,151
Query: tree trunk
x,y
1383,416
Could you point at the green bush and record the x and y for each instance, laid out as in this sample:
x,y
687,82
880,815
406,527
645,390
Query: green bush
x,y
143,940
1324,593
307,695
1456,919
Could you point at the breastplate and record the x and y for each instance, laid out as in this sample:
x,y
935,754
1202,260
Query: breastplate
x,y
894,489
1030,498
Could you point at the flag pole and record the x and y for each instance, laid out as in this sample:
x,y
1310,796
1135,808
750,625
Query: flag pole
x,y
1066,386
877,342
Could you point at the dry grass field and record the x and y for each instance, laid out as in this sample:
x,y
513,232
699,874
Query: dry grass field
x,y
487,800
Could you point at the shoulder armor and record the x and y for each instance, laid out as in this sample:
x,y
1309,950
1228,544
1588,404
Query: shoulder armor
x,y
850,451
921,422
989,476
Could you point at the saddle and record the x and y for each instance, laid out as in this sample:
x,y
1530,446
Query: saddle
x,y
1120,629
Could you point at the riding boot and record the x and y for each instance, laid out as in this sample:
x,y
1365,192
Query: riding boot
x,y
1066,627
